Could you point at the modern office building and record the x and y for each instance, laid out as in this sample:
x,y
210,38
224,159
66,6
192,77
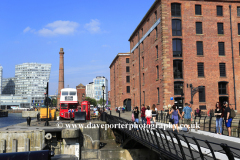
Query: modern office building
x,y
1,73
99,81
31,79
120,81
90,90
8,85
15,101
187,51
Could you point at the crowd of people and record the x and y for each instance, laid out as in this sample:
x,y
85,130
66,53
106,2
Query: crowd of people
x,y
222,113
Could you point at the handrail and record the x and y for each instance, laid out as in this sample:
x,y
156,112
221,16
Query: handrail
x,y
178,146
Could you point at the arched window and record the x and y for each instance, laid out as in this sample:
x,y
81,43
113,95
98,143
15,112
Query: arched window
x,y
177,69
177,47
176,9
176,27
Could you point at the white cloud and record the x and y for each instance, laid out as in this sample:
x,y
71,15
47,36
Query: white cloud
x,y
59,28
26,29
93,26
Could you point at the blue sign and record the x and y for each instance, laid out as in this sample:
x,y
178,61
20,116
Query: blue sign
x,y
42,101
171,98
33,101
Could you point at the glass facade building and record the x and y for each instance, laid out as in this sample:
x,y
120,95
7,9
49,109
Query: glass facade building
x,y
8,86
31,79
90,90
98,82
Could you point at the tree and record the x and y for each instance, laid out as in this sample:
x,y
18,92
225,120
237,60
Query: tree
x,y
91,100
100,102
54,102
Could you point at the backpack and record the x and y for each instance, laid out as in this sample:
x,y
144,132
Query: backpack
x,y
232,113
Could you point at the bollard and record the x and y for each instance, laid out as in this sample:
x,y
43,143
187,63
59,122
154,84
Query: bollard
x,y
28,121
38,117
119,113
110,112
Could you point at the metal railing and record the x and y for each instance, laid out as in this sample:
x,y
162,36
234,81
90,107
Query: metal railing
x,y
207,123
170,145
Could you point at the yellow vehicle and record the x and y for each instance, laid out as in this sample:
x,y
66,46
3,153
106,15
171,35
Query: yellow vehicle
x,y
43,113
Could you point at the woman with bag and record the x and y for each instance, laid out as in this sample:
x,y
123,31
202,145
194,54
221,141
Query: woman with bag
x,y
148,115
154,113
175,112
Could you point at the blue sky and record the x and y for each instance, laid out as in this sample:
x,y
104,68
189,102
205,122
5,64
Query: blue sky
x,y
91,32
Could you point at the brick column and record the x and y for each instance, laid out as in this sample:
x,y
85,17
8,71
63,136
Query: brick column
x,y
61,75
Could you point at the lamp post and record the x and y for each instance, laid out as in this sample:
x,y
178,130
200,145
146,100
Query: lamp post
x,y
182,94
103,88
194,91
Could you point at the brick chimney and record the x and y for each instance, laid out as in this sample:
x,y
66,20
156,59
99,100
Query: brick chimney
x,y
61,76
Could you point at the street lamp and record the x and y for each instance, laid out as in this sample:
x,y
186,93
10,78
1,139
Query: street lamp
x,y
182,94
103,88
194,91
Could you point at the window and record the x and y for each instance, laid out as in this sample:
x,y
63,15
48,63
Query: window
x,y
221,49
198,27
72,93
219,11
127,78
178,88
156,15
158,95
157,72
220,28
144,97
201,91
143,61
222,69
177,69
238,28
200,69
64,93
176,27
199,48
176,9
157,50
127,69
222,87
128,89
198,10
156,32
238,11
239,48
143,79
203,107
127,60
177,47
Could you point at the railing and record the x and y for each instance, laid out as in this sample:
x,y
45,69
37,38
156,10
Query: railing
x,y
207,123
170,145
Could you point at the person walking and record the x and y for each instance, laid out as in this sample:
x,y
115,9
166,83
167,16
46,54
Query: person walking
x,y
227,118
148,115
154,113
136,113
219,119
187,112
143,114
175,112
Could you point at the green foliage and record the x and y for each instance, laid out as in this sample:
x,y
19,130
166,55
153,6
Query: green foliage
x,y
91,100
100,102
54,102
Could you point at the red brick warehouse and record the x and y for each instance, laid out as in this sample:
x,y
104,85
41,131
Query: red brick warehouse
x,y
120,81
183,44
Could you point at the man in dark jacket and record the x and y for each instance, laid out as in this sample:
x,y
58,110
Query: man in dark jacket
x,y
143,114
227,118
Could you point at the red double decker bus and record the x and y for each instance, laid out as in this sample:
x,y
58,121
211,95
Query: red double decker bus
x,y
68,103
